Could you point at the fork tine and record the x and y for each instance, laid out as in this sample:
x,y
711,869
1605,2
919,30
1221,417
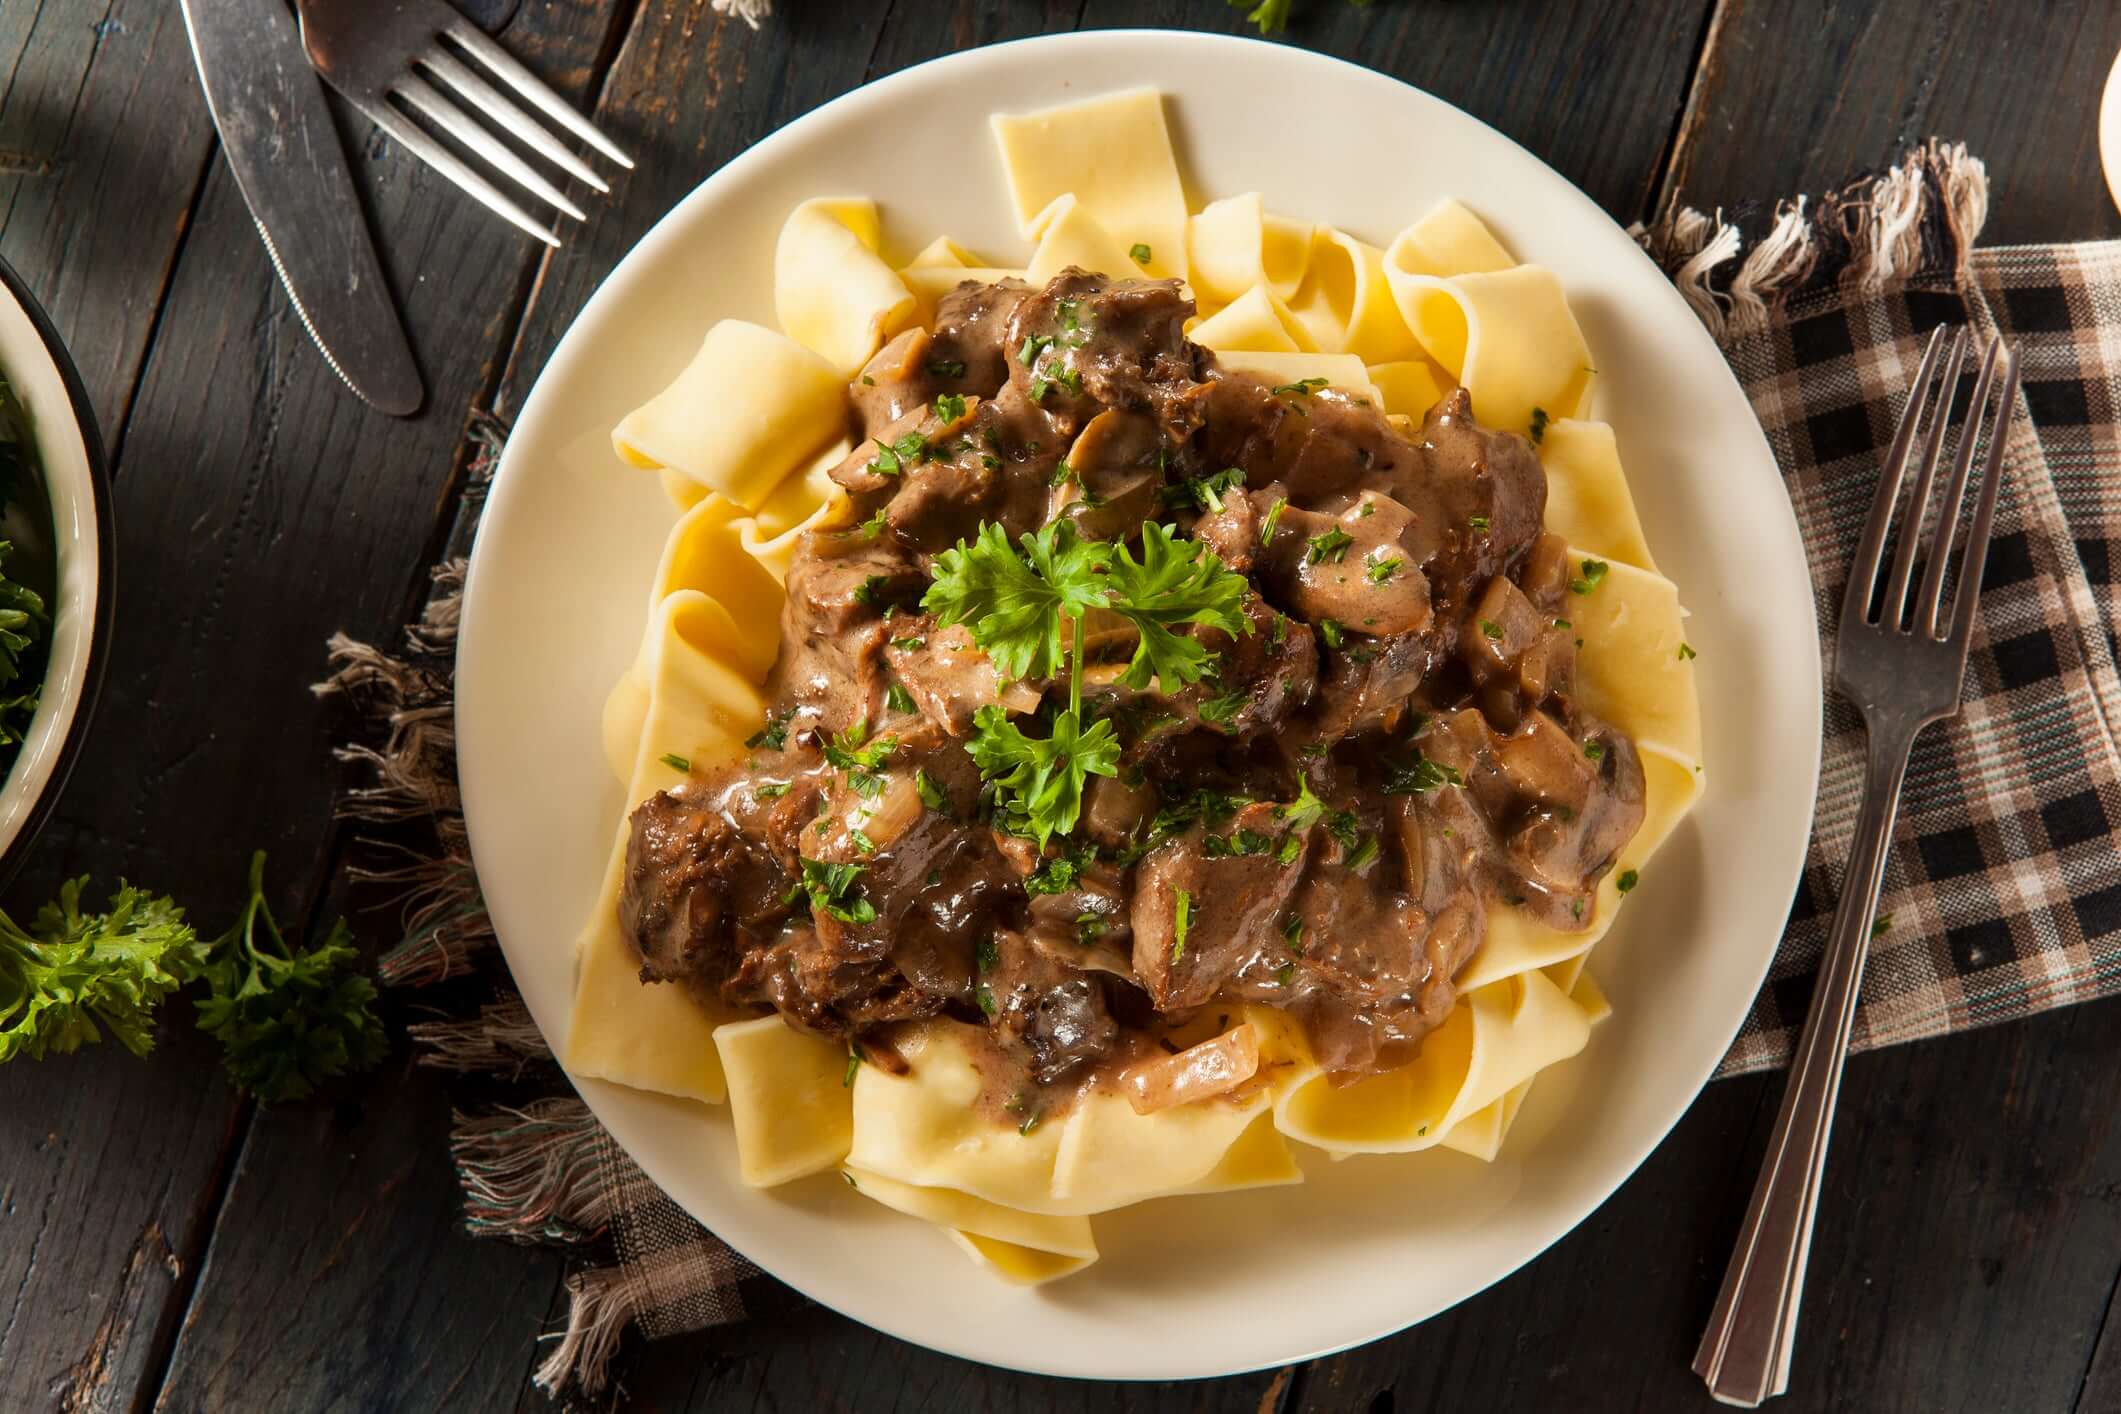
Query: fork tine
x,y
1863,570
505,65
434,154
1894,603
1939,553
451,119
1975,558
484,97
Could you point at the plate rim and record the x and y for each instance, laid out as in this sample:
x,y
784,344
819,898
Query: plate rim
x,y
668,228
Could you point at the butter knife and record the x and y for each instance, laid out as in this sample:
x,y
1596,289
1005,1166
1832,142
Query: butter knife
x,y
268,105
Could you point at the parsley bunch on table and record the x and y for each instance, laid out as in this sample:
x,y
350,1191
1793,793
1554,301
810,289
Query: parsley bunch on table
x,y
1025,607
286,1018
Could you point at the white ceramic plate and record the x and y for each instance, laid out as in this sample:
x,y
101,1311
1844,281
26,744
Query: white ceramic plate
x,y
1192,1286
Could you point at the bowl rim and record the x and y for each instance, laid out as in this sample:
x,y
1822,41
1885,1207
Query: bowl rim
x,y
95,661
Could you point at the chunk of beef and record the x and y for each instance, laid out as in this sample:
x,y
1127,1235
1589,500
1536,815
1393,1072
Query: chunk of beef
x,y
1094,344
1233,906
1479,499
1319,445
692,878
833,629
946,674
1056,1014
971,329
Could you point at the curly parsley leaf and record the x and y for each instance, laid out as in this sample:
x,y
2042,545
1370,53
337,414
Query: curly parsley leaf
x,y
1015,603
1038,784
1173,584
286,1019
72,974
831,891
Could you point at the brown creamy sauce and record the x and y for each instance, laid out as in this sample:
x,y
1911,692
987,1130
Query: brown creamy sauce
x,y
1459,655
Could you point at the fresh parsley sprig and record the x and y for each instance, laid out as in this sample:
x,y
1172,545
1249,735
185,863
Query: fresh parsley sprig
x,y
1039,784
286,1018
72,975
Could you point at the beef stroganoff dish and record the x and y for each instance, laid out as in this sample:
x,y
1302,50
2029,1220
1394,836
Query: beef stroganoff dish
x,y
1105,722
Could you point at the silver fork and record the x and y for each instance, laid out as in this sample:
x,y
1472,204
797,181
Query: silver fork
x,y
1901,665
374,53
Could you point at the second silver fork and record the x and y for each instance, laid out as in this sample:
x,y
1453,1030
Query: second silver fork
x,y
382,53
1900,663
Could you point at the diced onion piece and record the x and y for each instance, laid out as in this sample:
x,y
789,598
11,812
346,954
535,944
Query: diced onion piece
x,y
1201,1072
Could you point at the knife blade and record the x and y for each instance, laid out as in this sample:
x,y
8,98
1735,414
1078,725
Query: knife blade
x,y
268,106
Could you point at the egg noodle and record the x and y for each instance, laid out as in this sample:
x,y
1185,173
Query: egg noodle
x,y
743,440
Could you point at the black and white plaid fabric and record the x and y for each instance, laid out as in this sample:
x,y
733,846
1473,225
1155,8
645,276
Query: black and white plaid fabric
x,y
2003,892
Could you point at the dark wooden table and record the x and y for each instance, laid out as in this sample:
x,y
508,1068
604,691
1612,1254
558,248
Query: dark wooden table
x,y
164,1243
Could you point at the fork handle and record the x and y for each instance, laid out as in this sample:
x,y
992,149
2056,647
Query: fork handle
x,y
1745,1353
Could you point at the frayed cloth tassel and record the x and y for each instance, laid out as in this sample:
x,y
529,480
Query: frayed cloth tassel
x,y
601,1303
532,1174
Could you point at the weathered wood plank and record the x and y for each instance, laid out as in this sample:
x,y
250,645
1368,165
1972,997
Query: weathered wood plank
x,y
99,115
1963,1258
1591,88
1796,97
260,507
108,1165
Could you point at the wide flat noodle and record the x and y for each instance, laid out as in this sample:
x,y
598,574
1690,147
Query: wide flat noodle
x,y
1347,302
1588,501
1255,322
1634,670
1497,1038
1068,235
1342,371
943,253
831,291
1113,153
656,1036
1508,337
750,408
1236,243
1021,1248
789,1099
1410,389
1450,240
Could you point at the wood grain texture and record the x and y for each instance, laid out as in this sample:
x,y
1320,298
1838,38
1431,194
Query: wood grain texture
x,y
1799,95
1593,89
100,114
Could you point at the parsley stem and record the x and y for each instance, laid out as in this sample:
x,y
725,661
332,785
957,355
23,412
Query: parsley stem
x,y
1075,672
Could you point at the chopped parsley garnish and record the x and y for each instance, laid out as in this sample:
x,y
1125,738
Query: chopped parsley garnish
x,y
1628,880
1181,919
985,997
854,1063
1304,811
899,699
831,891
1237,843
1329,547
946,367
1490,629
862,842
1594,572
1364,854
1382,570
1139,253
949,408
1224,708
1089,927
770,790
1419,777
1477,522
1344,827
1205,491
1330,630
1539,425
1301,389
1561,623
1593,751
852,751
1056,876
1030,1122
1292,933
1285,974
895,458
932,795
1292,849
1686,651
675,762
1266,527
872,527
774,735
909,645
1278,632
988,955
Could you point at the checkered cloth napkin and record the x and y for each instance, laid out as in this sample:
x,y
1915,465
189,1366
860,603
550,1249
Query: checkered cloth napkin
x,y
2003,891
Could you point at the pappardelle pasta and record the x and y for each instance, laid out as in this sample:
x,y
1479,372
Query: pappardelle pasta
x,y
1102,720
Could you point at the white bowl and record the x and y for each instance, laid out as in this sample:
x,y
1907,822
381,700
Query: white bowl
x,y
1196,1286
76,483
